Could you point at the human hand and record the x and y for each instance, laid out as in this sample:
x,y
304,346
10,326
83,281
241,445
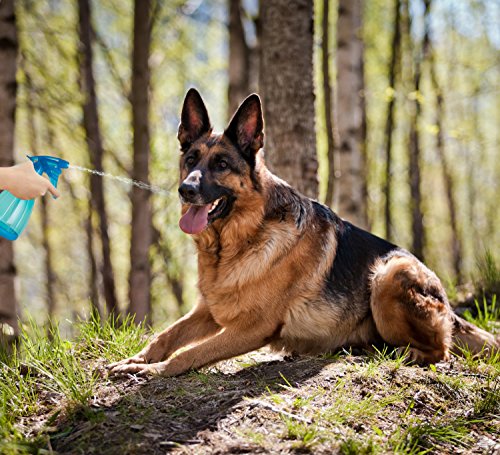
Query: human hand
x,y
24,183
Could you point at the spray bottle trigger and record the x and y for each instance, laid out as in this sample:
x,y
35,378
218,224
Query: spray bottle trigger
x,y
49,165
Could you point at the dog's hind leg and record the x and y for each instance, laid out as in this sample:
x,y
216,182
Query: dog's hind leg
x,y
468,336
410,308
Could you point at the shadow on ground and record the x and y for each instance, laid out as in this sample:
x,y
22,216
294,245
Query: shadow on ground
x,y
152,416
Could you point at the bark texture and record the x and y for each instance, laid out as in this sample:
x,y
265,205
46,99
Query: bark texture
x,y
141,235
174,281
95,305
239,59
328,103
8,89
94,144
417,217
351,122
93,275
393,72
449,183
50,276
286,84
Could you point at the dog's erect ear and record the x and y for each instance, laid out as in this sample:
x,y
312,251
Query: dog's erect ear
x,y
194,119
245,128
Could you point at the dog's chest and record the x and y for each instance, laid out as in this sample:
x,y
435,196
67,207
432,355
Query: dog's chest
x,y
262,279
234,297
242,306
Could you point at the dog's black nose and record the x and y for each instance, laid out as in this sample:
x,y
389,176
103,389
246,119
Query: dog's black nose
x,y
189,190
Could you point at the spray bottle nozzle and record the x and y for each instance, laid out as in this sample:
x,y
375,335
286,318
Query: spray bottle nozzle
x,y
49,165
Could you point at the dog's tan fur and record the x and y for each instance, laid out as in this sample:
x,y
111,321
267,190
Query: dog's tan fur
x,y
264,269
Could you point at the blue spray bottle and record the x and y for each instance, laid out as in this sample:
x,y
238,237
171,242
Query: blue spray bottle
x,y
14,212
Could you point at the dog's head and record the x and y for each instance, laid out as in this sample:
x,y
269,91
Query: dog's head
x,y
216,170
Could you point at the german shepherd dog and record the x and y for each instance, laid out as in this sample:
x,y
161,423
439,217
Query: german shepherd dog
x,y
277,268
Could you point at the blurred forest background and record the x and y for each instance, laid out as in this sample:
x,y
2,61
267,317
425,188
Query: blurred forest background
x,y
386,110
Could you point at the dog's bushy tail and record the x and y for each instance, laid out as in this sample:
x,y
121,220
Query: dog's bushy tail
x,y
469,336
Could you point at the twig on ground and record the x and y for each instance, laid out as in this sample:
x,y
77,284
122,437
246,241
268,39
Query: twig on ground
x,y
280,411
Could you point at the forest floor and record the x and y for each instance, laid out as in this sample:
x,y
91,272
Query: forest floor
x,y
57,398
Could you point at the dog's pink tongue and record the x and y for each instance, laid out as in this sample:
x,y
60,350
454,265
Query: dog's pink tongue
x,y
195,219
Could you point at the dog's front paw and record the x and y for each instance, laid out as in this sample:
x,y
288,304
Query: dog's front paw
x,y
172,367
153,353
141,369
136,359
421,358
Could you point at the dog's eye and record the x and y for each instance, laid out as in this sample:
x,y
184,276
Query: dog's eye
x,y
190,160
223,164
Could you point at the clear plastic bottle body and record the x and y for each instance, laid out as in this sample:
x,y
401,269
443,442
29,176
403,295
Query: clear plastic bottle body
x,y
14,215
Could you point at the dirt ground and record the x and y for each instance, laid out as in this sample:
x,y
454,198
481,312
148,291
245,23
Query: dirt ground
x,y
264,403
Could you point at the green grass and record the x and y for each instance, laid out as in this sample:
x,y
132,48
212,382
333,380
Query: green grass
x,y
259,439
488,315
346,409
488,403
423,437
396,357
304,434
358,446
109,339
489,273
43,364
486,362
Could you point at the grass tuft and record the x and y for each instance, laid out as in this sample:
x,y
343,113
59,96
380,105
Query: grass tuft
x,y
487,315
355,446
423,437
111,339
488,403
489,273
305,434
486,362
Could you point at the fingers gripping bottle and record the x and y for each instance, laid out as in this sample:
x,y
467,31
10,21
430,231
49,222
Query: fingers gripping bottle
x,y
15,212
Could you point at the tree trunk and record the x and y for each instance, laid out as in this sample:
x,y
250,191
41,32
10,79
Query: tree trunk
x,y
49,269
287,90
417,217
449,183
94,143
8,89
93,277
239,59
44,214
351,122
254,56
328,102
95,306
141,236
389,124
176,283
